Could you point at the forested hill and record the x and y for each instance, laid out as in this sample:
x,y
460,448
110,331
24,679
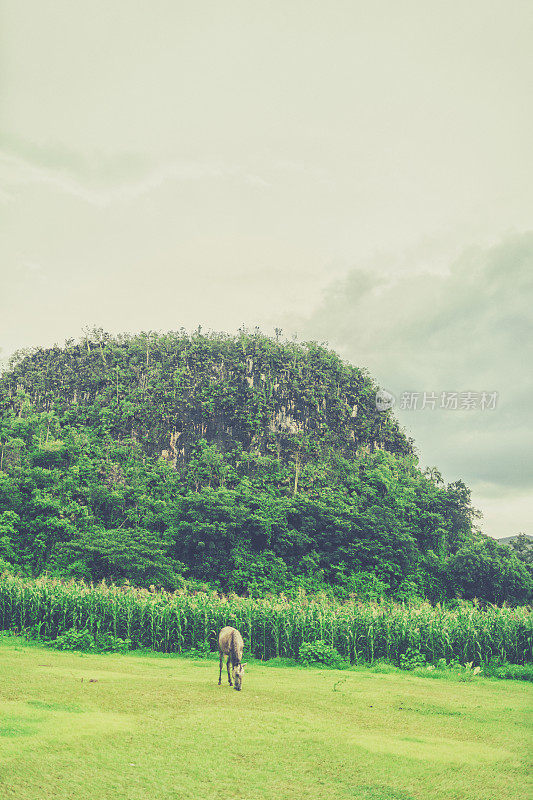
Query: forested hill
x,y
169,391
239,462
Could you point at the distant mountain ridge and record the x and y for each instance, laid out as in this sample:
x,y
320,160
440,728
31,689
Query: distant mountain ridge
x,y
509,539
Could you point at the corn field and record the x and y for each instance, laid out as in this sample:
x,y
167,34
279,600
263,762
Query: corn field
x,y
271,627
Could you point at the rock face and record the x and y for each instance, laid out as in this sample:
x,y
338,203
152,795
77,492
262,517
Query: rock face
x,y
169,391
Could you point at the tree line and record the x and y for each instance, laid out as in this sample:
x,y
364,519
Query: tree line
x,y
240,463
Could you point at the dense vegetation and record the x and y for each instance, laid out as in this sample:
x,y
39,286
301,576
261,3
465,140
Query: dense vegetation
x,y
243,463
271,626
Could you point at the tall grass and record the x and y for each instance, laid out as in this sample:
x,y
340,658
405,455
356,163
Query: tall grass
x,y
271,627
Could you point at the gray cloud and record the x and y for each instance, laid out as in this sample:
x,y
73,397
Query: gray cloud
x,y
469,329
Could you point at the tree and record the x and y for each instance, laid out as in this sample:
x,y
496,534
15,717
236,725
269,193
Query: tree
x,y
522,546
138,555
489,572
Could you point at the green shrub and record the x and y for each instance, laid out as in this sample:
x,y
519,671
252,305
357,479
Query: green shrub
x,y
33,632
73,640
202,650
518,672
107,643
85,641
412,659
321,653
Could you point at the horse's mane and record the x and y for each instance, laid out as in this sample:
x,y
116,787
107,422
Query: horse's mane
x,y
232,653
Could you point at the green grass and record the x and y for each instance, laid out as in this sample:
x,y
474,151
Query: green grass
x,y
135,727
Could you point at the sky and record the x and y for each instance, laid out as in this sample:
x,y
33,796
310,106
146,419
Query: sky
x,y
355,173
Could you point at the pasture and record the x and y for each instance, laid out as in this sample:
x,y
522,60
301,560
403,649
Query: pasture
x,y
137,726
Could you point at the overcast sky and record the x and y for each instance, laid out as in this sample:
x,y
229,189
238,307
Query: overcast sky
x,y
358,173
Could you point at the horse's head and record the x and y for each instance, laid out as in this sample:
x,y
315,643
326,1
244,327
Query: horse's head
x,y
238,674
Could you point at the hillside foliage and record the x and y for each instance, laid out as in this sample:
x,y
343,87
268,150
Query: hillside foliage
x,y
240,463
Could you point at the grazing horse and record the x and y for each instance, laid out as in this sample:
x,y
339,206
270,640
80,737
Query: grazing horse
x,y
230,644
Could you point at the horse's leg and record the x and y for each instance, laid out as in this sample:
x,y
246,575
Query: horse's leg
x,y
220,672
229,676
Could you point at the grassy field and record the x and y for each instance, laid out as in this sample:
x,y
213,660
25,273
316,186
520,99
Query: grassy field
x,y
142,727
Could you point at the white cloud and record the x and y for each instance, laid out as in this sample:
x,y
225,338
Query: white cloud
x,y
16,172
